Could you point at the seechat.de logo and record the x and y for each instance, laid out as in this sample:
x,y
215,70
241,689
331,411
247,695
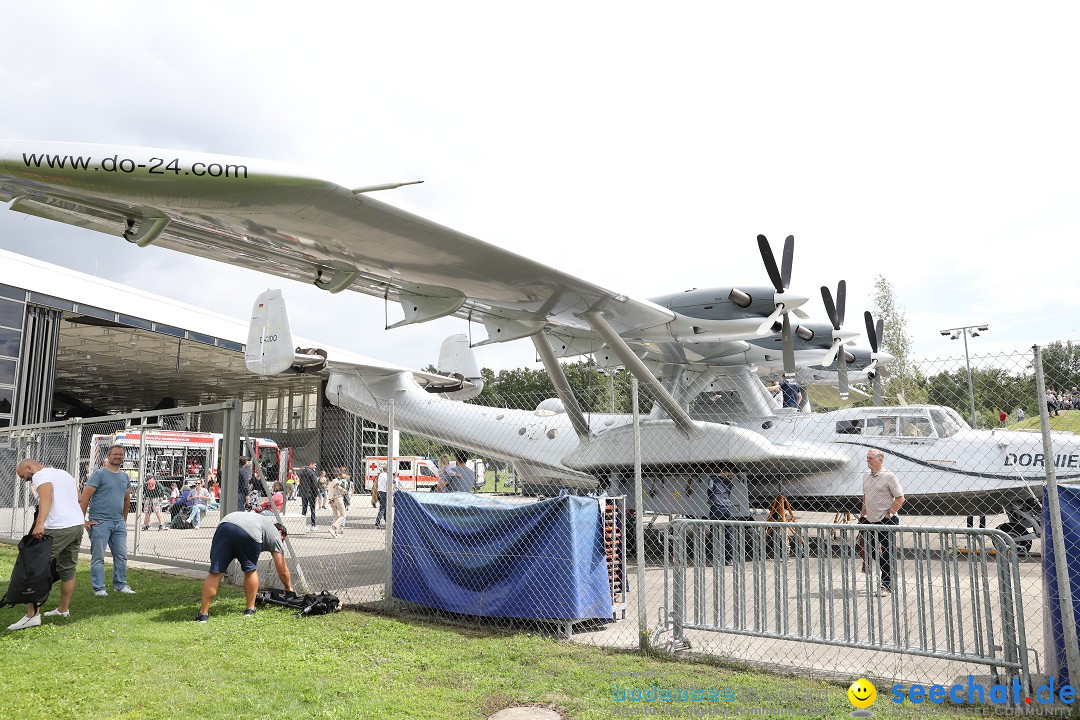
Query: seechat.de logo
x,y
862,695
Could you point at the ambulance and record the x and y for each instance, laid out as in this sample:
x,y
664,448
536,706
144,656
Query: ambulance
x,y
413,472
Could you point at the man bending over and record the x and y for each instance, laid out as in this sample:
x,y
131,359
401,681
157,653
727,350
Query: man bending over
x,y
243,536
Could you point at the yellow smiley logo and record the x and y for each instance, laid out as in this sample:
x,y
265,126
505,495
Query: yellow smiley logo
x,y
862,693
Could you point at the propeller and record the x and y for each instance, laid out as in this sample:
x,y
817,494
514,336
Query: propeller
x,y
836,316
785,303
876,334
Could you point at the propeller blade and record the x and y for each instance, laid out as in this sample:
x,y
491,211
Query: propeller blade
x,y
800,313
831,356
765,328
841,368
880,332
841,301
870,333
789,255
770,262
789,347
830,309
877,387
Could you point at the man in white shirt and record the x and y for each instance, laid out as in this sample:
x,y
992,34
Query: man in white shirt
x,y
60,516
378,494
882,498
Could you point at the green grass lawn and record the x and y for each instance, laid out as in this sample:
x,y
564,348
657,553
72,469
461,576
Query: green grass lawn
x,y
489,483
1067,420
142,656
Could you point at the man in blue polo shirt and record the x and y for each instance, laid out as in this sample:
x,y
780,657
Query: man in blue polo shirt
x,y
106,500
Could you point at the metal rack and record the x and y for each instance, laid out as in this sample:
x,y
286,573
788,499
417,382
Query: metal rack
x,y
614,515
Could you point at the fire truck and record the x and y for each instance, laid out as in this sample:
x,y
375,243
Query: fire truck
x,y
176,456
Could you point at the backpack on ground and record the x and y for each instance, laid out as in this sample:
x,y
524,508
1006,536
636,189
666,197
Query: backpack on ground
x,y
310,604
182,520
34,573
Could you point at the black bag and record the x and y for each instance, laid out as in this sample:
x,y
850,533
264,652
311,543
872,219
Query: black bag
x,y
182,520
34,573
309,604
322,604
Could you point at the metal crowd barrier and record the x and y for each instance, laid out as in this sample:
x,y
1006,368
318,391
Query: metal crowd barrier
x,y
955,592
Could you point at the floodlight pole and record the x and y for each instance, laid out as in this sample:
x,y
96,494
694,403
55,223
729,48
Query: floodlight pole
x,y
967,362
971,387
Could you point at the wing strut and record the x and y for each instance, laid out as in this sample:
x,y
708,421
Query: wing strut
x,y
640,371
562,387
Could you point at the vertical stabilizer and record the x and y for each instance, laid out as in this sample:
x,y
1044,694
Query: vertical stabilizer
x,y
456,359
270,347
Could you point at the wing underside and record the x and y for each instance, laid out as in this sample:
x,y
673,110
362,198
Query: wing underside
x,y
291,224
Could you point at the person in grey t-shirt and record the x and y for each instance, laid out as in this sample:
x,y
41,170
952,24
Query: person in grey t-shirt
x,y
106,499
243,536
458,477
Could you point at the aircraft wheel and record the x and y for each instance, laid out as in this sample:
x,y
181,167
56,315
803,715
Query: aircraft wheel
x,y
1018,533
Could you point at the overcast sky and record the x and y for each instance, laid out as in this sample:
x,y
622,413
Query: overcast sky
x,y
638,146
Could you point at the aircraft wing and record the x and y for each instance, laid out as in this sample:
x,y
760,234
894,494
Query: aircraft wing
x,y
287,222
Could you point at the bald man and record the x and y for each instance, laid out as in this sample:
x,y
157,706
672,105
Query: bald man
x,y
882,499
60,517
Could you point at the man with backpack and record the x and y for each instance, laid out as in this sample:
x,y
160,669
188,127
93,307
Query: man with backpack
x,y
60,516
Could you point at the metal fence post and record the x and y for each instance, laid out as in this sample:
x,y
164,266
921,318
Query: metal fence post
x,y
1068,621
231,449
391,479
639,524
139,490
74,447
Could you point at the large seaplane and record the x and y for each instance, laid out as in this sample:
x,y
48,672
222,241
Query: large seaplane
x,y
695,353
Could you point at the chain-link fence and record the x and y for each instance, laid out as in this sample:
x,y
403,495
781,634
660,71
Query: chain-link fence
x,y
948,602
173,459
541,521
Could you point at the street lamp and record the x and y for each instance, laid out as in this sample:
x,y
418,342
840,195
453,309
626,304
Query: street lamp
x,y
954,334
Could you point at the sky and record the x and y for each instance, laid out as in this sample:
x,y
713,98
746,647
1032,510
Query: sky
x,y
639,146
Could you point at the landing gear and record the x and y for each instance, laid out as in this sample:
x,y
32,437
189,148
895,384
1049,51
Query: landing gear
x,y
1021,535
1024,525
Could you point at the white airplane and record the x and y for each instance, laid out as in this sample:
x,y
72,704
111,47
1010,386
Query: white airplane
x,y
290,223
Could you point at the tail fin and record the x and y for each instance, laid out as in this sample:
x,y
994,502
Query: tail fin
x,y
456,356
456,359
270,348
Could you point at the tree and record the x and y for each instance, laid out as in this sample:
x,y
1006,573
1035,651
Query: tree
x,y
903,378
1061,365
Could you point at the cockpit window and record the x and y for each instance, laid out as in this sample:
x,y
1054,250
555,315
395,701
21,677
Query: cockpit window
x,y
946,422
881,427
849,427
917,426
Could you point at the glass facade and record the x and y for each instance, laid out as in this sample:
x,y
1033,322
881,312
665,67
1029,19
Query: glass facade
x,y
12,310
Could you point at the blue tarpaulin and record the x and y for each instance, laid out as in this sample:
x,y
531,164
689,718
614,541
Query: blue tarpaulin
x,y
1069,498
479,556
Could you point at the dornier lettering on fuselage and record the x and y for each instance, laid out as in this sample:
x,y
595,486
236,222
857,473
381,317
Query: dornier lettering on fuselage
x,y
1061,460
